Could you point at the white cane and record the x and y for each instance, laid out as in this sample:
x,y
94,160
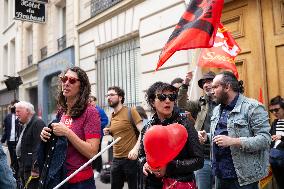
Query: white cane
x,y
87,163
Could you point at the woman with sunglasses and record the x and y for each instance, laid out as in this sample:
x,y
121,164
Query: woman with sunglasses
x,y
80,125
276,107
161,98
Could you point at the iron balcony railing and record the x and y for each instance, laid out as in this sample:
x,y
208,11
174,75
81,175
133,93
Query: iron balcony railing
x,y
98,6
30,59
61,43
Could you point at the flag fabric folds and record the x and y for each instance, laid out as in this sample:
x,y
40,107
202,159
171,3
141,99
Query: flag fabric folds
x,y
260,96
223,52
195,29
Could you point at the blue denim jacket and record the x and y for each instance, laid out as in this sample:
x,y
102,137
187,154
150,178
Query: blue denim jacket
x,y
6,179
249,122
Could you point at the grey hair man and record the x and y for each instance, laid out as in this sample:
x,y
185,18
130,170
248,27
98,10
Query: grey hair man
x,y
27,145
239,135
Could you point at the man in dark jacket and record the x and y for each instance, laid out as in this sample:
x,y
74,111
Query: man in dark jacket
x,y
201,110
12,130
28,143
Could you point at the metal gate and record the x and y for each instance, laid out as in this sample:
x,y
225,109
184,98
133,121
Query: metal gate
x,y
117,66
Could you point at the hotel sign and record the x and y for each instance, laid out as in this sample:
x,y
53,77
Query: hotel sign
x,y
32,11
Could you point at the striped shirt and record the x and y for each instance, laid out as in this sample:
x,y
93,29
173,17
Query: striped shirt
x,y
279,131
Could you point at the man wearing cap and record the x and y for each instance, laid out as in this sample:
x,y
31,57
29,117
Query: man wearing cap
x,y
201,110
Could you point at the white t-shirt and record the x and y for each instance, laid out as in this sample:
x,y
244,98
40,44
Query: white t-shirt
x,y
13,128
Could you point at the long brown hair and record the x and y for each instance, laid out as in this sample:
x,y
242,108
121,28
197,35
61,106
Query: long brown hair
x,y
85,90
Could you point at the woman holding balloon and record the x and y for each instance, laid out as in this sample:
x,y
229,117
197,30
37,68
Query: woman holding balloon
x,y
169,150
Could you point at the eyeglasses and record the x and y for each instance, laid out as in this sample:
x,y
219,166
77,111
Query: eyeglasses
x,y
110,95
163,97
71,80
274,110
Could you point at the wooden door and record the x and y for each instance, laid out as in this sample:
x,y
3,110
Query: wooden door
x,y
273,31
243,18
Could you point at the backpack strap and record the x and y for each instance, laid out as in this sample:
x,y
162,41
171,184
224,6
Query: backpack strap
x,y
130,118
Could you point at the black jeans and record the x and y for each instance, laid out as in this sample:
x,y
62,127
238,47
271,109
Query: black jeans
x,y
97,164
12,150
278,175
86,184
233,184
123,169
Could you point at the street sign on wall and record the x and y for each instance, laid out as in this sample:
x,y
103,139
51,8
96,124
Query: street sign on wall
x,y
31,11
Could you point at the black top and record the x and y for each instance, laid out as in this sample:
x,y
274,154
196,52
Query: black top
x,y
29,144
7,124
189,159
223,166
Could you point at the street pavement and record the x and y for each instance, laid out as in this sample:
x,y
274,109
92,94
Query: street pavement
x,y
100,185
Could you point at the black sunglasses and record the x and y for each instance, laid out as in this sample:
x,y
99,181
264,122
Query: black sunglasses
x,y
163,97
274,110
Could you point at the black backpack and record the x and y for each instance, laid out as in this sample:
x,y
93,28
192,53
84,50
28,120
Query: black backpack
x,y
105,173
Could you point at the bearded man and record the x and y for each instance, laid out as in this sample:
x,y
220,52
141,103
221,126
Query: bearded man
x,y
125,152
239,136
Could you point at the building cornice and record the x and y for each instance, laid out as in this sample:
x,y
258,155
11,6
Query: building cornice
x,y
28,71
107,14
8,27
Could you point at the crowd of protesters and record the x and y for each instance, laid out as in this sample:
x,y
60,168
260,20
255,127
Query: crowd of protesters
x,y
230,142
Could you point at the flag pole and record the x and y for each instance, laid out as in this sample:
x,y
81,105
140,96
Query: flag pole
x,y
193,67
193,80
87,163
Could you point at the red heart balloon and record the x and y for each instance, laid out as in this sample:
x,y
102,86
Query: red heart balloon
x,y
163,143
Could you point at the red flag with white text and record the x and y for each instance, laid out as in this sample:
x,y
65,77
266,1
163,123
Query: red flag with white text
x,y
223,52
196,28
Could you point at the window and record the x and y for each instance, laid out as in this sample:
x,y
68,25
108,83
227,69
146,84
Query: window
x,y
29,45
61,41
43,52
12,62
5,60
3,113
117,65
52,96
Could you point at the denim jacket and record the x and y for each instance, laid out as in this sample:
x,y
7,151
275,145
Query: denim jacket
x,y
6,179
249,122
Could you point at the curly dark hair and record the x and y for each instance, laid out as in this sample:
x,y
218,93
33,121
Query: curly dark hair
x,y
120,92
141,112
85,90
156,88
231,79
277,100
176,80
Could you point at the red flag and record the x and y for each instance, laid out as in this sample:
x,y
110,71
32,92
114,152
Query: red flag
x,y
223,53
196,28
260,96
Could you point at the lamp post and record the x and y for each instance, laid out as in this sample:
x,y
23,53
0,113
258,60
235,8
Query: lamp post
x,y
12,83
